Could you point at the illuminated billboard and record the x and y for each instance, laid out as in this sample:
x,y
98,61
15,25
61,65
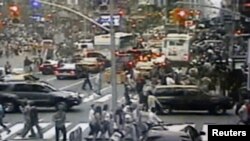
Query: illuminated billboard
x,y
105,20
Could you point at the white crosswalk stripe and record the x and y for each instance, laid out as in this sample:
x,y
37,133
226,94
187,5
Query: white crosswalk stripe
x,y
48,129
51,132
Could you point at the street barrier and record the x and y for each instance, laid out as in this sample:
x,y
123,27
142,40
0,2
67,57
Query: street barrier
x,y
76,135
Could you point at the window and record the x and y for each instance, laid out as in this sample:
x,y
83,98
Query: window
x,y
164,92
22,88
39,88
3,87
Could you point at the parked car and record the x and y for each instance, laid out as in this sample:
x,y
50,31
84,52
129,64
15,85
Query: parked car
x,y
41,94
70,71
190,97
48,67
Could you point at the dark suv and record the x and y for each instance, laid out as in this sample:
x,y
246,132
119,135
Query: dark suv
x,y
189,97
41,94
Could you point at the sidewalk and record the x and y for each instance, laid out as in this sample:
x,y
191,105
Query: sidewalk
x,y
15,61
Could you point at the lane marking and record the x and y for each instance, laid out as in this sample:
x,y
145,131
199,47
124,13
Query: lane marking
x,y
50,79
51,132
6,124
42,125
104,98
93,95
13,129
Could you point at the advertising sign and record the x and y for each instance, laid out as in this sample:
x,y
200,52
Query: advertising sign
x,y
105,20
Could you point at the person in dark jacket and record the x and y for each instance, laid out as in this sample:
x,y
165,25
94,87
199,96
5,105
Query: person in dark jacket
x,y
27,64
2,115
35,120
87,81
7,68
60,118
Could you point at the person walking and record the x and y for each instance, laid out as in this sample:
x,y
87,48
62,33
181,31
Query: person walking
x,y
87,81
59,119
7,68
35,121
91,119
27,64
2,115
27,120
98,83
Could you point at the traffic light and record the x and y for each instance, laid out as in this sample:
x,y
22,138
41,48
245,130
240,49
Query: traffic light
x,y
178,16
14,13
121,12
35,4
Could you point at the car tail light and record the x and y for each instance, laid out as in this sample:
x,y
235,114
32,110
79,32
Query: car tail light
x,y
130,63
72,72
55,66
41,66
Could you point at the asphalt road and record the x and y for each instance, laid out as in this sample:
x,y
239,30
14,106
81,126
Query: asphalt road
x,y
78,116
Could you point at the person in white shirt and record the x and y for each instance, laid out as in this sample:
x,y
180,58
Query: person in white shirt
x,y
243,112
170,80
91,119
152,101
153,119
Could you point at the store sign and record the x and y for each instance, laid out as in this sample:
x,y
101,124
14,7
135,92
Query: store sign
x,y
105,20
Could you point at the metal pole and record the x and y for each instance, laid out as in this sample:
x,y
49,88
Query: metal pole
x,y
113,58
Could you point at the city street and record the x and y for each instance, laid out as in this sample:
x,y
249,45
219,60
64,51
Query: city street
x,y
78,116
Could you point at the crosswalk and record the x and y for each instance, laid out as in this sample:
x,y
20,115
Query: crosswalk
x,y
48,130
94,98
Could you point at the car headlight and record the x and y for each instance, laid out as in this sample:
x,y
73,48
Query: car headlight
x,y
74,95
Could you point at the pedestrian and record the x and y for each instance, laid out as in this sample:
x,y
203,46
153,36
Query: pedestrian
x,y
153,102
35,121
27,65
119,117
87,81
2,115
7,68
126,93
130,129
91,119
59,119
153,119
98,83
106,123
244,113
27,120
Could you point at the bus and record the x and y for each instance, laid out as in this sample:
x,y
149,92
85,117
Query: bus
x,y
176,47
123,41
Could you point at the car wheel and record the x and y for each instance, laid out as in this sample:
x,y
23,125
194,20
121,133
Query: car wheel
x,y
59,78
63,105
9,106
218,110
167,110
